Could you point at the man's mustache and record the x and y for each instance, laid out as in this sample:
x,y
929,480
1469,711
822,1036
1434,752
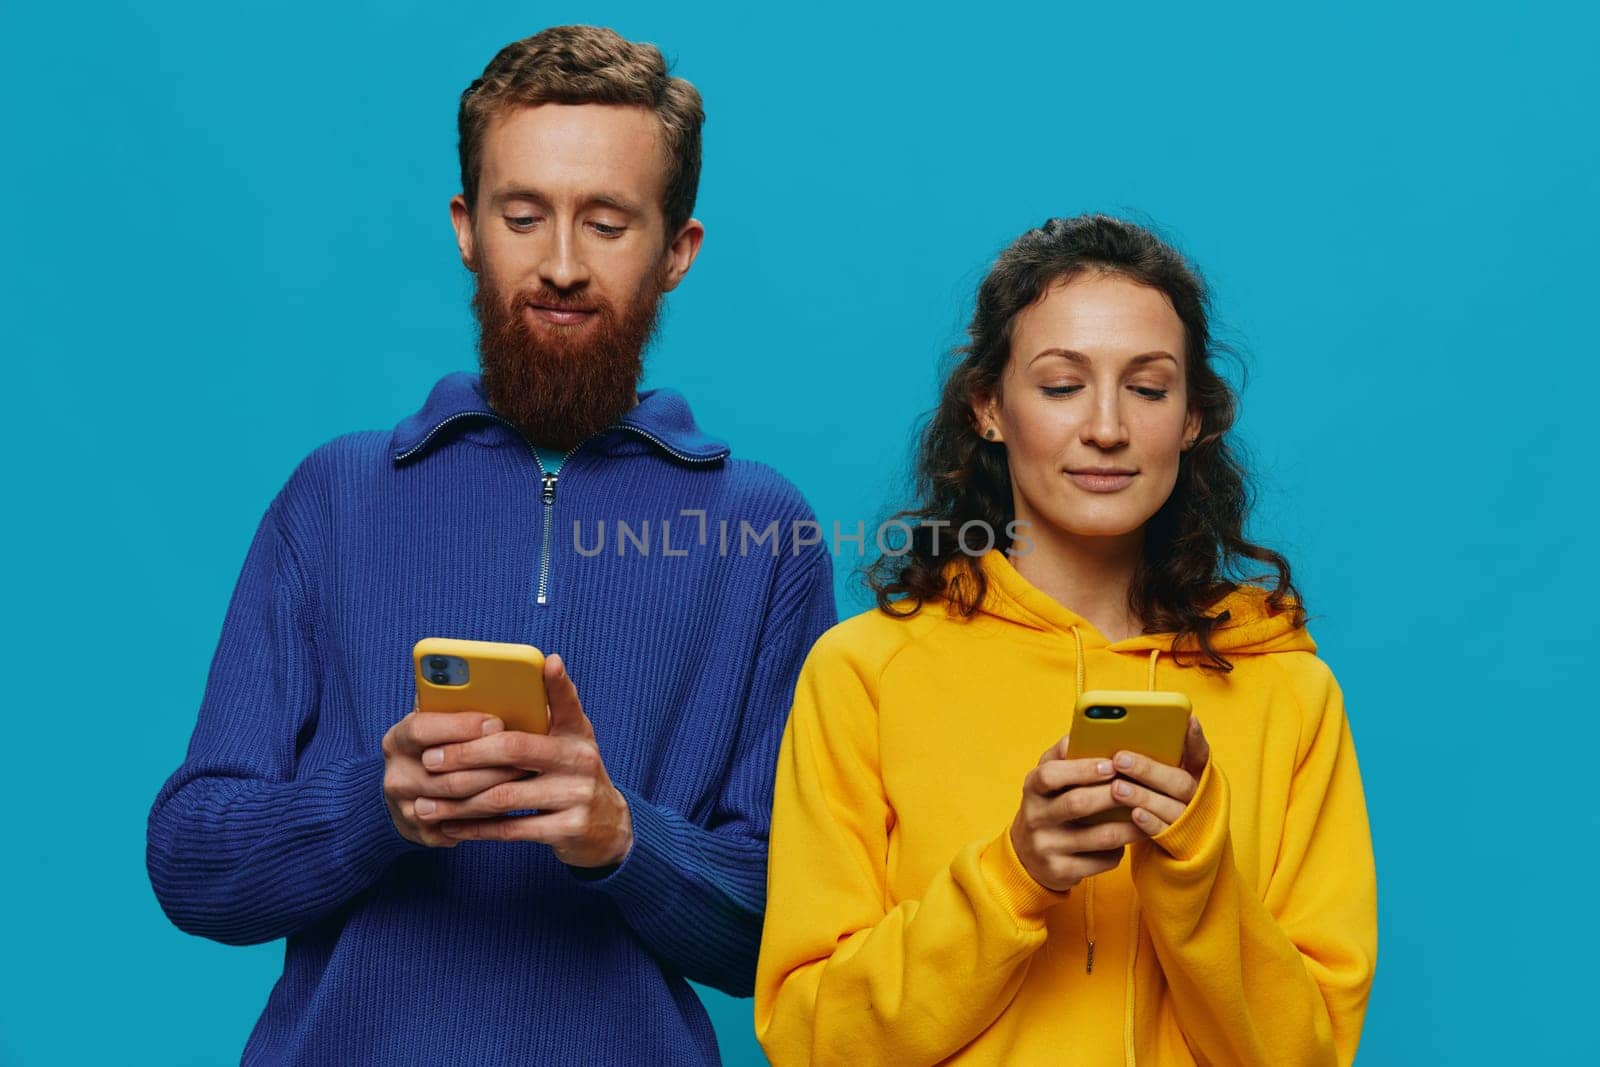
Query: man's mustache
x,y
546,297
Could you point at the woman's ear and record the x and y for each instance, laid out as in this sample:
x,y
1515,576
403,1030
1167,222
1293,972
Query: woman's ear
x,y
1191,429
986,416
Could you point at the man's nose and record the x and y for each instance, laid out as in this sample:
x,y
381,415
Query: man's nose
x,y
562,265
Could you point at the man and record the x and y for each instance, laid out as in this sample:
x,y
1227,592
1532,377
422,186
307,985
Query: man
x,y
424,923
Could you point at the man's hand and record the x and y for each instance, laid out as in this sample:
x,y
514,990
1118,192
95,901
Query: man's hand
x,y
581,815
405,779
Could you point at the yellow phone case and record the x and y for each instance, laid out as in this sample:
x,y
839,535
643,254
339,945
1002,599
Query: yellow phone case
x,y
1155,724
504,680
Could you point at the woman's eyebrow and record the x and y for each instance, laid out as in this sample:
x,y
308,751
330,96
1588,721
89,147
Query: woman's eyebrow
x,y
1083,360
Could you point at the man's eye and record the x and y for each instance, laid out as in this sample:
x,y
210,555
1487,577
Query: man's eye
x,y
607,230
521,222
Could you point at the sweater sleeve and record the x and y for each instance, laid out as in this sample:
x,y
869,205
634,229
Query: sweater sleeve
x,y
696,894
242,846
1280,975
846,974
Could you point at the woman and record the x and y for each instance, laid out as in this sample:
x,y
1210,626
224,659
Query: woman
x,y
919,910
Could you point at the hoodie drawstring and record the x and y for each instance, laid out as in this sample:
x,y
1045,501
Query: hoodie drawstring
x,y
1079,683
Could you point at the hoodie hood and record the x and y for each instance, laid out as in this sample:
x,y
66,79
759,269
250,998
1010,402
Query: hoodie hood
x,y
1252,627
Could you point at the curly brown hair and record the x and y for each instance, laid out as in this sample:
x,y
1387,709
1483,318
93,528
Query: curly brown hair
x,y
587,65
1193,546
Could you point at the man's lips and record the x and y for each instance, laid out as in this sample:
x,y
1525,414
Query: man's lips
x,y
561,316
1101,479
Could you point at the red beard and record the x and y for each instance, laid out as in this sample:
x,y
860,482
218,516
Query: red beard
x,y
560,387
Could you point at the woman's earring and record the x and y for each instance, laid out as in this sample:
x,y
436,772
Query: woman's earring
x,y
988,435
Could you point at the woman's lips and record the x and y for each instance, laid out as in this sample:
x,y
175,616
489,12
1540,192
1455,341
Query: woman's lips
x,y
1101,481
561,316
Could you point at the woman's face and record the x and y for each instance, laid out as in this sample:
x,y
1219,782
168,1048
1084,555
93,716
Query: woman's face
x,y
1093,407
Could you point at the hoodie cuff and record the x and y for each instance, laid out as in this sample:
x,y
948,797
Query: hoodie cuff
x,y
1023,897
1204,821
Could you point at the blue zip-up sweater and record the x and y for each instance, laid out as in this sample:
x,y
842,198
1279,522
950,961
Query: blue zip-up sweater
x,y
685,656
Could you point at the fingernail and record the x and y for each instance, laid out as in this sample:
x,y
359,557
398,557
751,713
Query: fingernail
x,y
492,726
1103,767
1121,789
434,757
1124,760
425,806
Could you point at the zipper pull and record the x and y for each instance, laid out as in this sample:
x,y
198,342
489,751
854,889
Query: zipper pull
x,y
548,494
1088,965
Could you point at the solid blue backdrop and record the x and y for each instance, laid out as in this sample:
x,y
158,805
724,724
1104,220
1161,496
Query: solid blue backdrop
x,y
226,241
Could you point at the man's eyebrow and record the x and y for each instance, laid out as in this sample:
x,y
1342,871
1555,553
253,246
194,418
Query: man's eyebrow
x,y
615,201
1083,360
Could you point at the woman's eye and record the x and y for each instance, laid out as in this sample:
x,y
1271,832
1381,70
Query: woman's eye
x,y
1059,390
1150,392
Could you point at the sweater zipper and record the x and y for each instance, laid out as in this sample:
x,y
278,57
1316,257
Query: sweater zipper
x,y
547,497
547,479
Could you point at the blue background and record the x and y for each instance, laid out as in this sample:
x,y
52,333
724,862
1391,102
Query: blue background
x,y
226,241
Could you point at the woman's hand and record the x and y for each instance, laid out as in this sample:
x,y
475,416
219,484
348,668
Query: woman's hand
x,y
1055,851
1159,792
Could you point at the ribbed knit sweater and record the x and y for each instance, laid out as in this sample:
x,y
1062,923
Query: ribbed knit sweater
x,y
685,654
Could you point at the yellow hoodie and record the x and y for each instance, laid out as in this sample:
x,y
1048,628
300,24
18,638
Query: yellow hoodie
x,y
901,928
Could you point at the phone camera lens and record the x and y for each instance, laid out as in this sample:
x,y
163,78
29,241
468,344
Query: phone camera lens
x,y
440,678
438,663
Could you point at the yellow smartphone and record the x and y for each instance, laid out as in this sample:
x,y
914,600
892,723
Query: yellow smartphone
x,y
1108,721
496,678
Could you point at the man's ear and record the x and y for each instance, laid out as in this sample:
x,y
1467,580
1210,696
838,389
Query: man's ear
x,y
466,241
681,252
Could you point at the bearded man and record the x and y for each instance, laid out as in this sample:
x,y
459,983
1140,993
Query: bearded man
x,y
451,890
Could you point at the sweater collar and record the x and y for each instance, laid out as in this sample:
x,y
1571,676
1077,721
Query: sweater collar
x,y
661,419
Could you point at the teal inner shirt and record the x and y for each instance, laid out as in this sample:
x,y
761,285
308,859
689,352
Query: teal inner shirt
x,y
550,460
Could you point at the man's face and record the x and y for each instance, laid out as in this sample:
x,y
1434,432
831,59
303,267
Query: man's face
x,y
568,241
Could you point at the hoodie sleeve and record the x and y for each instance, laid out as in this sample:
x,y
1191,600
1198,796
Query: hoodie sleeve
x,y
1279,975
696,894
846,975
242,848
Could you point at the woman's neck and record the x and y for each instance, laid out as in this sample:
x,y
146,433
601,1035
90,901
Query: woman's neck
x,y
1088,575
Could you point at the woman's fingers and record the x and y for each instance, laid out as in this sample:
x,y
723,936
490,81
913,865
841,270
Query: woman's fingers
x,y
1075,804
1052,776
1174,782
1196,750
1134,795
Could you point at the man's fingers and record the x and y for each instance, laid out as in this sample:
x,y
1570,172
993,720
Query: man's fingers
x,y
422,729
513,748
459,784
545,828
544,794
566,710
